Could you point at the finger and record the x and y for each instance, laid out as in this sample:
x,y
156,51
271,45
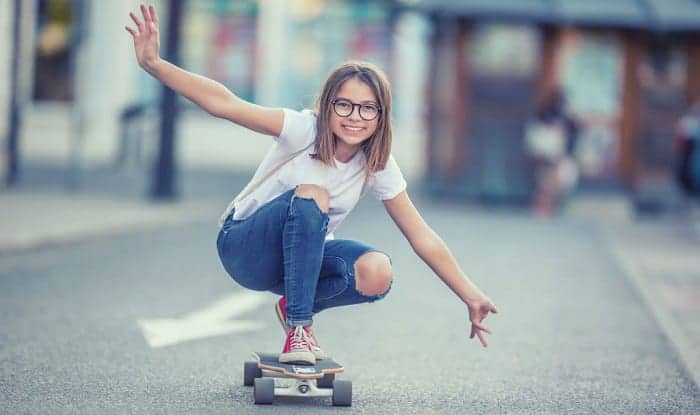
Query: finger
x,y
153,27
136,20
154,16
494,309
146,15
471,335
482,339
146,18
480,327
130,30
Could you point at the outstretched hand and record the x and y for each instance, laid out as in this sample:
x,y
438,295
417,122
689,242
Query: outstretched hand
x,y
146,43
478,311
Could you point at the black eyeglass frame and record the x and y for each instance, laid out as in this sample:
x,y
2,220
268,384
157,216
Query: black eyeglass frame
x,y
359,110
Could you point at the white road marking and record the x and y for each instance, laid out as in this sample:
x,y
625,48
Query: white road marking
x,y
213,320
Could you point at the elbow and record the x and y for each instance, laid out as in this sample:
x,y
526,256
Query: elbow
x,y
222,105
215,109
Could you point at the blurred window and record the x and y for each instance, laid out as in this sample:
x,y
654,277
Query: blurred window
x,y
324,33
591,73
53,51
219,42
504,50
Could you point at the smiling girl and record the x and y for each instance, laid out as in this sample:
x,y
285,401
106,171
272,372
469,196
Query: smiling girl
x,y
277,234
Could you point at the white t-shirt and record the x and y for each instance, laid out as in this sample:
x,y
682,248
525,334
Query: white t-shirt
x,y
343,183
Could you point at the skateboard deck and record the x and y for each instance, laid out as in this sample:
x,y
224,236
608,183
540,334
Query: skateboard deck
x,y
269,361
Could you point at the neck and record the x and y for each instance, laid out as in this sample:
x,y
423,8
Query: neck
x,y
345,152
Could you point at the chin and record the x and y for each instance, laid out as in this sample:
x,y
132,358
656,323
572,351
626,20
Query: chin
x,y
349,139
353,141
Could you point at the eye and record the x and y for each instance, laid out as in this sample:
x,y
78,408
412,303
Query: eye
x,y
369,108
342,104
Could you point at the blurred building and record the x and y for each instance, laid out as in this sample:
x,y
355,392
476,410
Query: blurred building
x,y
75,77
278,52
79,76
628,69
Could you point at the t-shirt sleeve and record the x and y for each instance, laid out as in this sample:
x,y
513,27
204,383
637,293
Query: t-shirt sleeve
x,y
388,183
298,129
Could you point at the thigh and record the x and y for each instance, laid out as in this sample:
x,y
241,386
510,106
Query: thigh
x,y
251,249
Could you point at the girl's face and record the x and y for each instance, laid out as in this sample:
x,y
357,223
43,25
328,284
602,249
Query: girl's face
x,y
354,128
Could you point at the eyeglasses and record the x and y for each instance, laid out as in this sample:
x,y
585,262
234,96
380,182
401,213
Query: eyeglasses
x,y
344,108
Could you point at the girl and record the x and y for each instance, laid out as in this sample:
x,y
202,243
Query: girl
x,y
277,234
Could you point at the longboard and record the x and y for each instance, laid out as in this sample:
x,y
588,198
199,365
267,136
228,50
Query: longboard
x,y
271,378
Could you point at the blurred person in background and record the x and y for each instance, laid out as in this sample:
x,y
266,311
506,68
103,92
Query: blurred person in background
x,y
688,147
277,234
550,139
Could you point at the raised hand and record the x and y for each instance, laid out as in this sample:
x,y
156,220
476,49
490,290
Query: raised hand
x,y
478,311
146,43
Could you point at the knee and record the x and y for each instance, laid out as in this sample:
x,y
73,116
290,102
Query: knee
x,y
373,274
317,193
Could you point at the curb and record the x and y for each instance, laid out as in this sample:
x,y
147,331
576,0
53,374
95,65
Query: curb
x,y
689,358
147,221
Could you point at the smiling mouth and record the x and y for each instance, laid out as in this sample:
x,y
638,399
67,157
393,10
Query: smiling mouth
x,y
353,129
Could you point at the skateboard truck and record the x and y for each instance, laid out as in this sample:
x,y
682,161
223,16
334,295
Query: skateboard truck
x,y
270,378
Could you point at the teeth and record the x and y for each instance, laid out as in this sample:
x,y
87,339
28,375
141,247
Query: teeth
x,y
353,128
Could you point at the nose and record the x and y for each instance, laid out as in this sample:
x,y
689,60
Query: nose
x,y
355,113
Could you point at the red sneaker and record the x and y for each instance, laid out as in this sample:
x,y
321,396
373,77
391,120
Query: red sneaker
x,y
281,311
297,349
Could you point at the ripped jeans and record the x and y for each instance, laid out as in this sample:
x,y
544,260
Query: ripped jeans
x,y
282,248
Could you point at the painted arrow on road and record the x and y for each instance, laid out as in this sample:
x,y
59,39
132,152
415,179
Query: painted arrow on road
x,y
213,320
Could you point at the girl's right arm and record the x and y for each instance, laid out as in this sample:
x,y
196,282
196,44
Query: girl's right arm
x,y
212,96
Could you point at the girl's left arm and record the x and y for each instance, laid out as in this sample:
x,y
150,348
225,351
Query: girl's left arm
x,y
435,253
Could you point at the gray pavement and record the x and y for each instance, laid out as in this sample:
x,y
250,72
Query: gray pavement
x,y
576,333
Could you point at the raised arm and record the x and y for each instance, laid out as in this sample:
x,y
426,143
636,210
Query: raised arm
x,y
434,252
212,96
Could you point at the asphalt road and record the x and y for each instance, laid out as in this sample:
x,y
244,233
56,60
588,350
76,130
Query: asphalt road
x,y
572,336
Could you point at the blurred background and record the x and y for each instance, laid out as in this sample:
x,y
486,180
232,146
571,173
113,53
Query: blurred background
x,y
555,144
469,79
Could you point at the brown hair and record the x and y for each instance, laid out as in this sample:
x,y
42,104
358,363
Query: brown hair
x,y
377,148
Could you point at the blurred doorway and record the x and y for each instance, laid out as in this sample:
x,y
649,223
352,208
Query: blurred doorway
x,y
590,73
503,64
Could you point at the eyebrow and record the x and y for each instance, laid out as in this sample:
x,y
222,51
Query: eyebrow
x,y
361,102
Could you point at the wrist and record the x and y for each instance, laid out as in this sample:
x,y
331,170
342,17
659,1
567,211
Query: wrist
x,y
151,65
476,296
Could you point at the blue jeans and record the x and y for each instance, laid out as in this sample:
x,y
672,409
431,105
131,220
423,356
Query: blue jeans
x,y
282,248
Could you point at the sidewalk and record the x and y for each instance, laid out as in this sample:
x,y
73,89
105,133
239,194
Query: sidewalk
x,y
660,256
41,211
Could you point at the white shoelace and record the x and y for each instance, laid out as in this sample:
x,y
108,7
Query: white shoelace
x,y
300,339
312,341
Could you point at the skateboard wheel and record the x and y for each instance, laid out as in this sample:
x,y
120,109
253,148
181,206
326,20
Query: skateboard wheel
x,y
250,372
326,381
264,390
342,393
